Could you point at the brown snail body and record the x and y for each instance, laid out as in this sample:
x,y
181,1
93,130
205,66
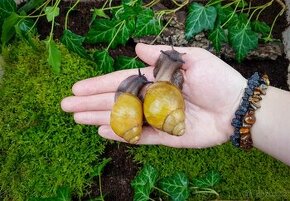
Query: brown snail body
x,y
163,105
164,108
127,113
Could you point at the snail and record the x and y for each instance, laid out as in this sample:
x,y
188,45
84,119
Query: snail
x,y
127,113
163,102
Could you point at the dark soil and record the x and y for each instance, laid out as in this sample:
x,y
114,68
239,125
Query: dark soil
x,y
121,170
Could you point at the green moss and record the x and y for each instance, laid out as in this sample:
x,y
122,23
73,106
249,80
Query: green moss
x,y
41,147
245,175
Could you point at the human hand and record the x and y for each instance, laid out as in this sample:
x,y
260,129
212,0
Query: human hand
x,y
212,91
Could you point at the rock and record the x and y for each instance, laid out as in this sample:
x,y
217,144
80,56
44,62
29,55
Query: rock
x,y
174,35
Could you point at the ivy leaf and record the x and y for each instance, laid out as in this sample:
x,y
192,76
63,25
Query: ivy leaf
x,y
217,37
8,30
176,186
243,40
241,3
123,62
6,8
51,12
143,183
74,43
128,12
199,19
104,61
100,13
211,179
110,31
132,2
147,24
260,27
227,15
54,55
32,4
99,169
24,29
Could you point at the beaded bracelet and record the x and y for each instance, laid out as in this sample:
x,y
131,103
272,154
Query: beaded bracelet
x,y
245,115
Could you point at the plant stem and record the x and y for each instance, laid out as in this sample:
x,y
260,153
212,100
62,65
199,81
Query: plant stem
x,y
231,14
122,23
152,3
213,3
43,5
204,191
274,22
100,187
160,190
66,16
161,30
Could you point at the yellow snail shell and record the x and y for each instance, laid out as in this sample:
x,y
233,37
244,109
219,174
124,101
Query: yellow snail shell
x,y
164,108
127,117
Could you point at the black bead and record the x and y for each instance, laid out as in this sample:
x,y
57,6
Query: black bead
x,y
236,123
245,103
235,140
249,91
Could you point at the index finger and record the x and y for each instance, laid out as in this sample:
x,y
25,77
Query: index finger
x,y
107,83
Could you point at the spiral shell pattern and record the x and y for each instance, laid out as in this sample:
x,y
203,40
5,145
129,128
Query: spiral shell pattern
x,y
164,108
127,117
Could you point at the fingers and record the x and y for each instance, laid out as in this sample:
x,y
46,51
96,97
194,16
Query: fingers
x,y
107,83
150,53
149,136
93,117
98,102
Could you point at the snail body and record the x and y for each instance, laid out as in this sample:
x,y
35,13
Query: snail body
x,y
163,105
164,108
127,113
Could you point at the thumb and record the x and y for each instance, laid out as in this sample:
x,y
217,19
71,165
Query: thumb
x,y
150,53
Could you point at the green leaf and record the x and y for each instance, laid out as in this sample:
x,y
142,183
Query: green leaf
x,y
104,61
241,3
110,31
132,2
260,27
147,24
31,4
54,56
128,12
144,182
63,194
176,186
243,40
74,43
199,19
8,30
99,169
6,8
51,12
100,13
123,62
25,30
217,37
226,15
211,179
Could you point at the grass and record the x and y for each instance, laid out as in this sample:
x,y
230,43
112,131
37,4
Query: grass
x,y
245,175
41,147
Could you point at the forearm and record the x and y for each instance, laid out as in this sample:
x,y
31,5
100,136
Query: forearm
x,y
271,132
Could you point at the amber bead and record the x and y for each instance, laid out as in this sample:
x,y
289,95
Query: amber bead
x,y
244,131
250,117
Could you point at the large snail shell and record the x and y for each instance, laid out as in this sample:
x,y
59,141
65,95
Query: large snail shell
x,y
127,117
164,108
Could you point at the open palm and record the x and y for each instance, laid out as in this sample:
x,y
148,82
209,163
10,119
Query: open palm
x,y
212,91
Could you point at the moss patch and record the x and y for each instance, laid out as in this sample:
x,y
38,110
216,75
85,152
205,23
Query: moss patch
x,y
245,175
41,147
